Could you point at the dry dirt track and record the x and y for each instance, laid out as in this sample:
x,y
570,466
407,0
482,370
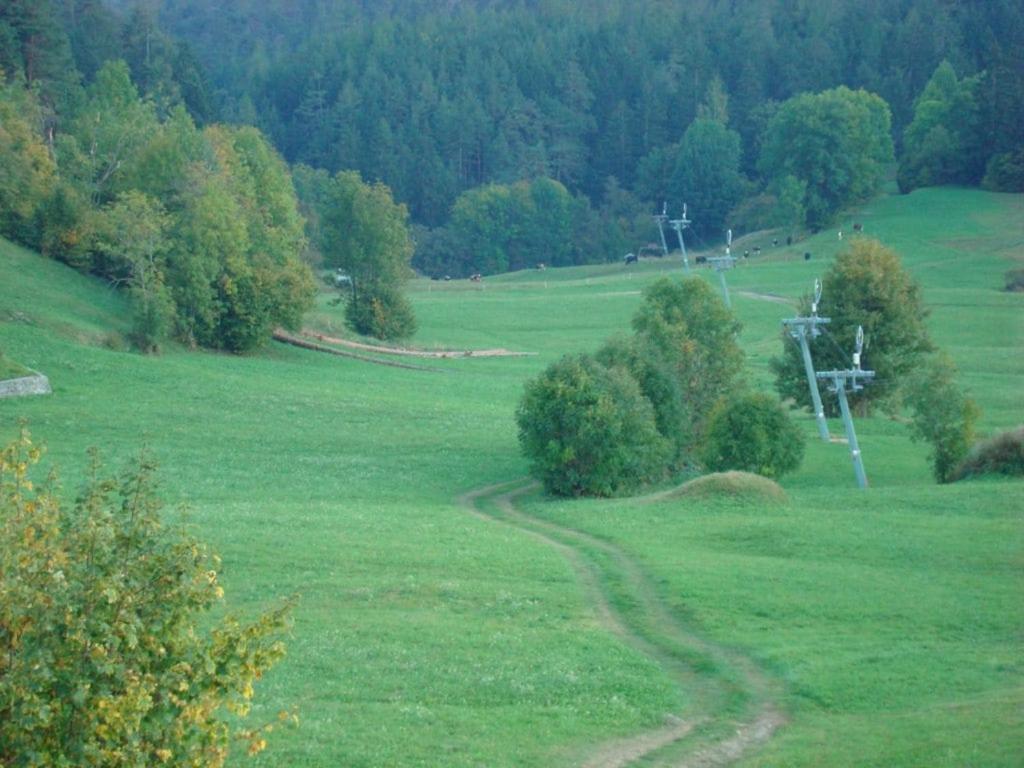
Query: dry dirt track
x,y
686,740
429,353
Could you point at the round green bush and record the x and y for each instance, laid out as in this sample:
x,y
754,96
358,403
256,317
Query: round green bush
x,y
752,433
588,430
381,311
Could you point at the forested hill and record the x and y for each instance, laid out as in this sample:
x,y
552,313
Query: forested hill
x,y
514,133
434,97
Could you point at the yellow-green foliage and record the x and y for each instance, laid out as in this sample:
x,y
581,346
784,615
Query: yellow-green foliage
x,y
102,661
27,172
202,226
866,286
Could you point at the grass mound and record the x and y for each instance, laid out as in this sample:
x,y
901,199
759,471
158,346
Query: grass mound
x,y
999,455
732,484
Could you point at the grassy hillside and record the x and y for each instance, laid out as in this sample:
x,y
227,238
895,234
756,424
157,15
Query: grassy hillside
x,y
888,622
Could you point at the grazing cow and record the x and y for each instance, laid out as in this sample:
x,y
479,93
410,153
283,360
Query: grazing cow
x,y
807,255
775,241
630,258
542,266
476,278
858,227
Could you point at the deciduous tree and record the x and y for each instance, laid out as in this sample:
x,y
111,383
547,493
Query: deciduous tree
x,y
836,142
707,175
866,286
133,235
365,234
695,335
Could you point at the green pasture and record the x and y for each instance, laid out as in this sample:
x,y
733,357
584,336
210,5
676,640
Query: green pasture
x,y
890,620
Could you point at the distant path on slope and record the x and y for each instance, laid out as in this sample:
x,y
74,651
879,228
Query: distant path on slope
x,y
295,341
767,297
704,740
431,353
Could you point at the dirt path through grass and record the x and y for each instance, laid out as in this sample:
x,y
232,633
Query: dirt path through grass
x,y
431,353
773,297
733,704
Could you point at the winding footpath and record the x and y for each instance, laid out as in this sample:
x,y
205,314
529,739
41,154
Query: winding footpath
x,y
735,708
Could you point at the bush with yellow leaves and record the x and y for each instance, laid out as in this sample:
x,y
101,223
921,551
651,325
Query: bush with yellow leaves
x,y
103,661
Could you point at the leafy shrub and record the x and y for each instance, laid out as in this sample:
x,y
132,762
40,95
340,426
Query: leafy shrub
x,y
942,415
382,312
1005,172
1000,455
115,341
588,430
752,433
27,170
152,319
658,382
1014,280
107,655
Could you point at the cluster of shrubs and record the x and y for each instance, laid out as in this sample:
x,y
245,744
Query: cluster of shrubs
x,y
647,404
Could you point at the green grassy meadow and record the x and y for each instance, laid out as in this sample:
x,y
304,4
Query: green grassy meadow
x,y
890,621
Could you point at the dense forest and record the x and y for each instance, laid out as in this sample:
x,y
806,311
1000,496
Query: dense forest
x,y
503,133
434,98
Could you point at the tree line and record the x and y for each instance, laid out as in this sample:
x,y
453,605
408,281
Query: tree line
x,y
626,106
201,226
491,136
434,99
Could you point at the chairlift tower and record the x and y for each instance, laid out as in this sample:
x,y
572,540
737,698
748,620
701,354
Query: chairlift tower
x,y
679,225
721,264
838,385
661,218
799,328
